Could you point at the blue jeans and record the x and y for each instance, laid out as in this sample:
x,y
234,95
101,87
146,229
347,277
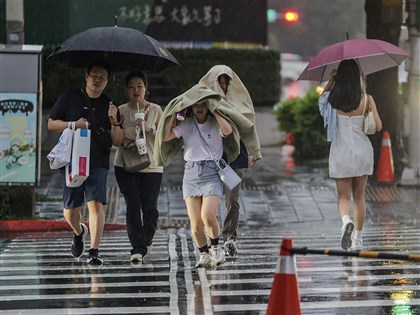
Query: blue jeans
x,y
141,192
201,179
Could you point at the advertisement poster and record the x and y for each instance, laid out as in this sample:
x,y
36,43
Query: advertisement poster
x,y
18,117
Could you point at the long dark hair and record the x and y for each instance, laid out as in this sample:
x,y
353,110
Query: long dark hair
x,y
347,89
141,76
136,74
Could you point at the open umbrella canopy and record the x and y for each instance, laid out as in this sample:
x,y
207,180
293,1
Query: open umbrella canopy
x,y
372,55
123,49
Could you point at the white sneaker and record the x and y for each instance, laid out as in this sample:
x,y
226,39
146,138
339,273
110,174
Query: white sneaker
x,y
204,261
149,250
136,258
356,244
346,231
217,255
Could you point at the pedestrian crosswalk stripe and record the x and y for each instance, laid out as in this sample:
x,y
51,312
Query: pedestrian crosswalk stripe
x,y
381,277
32,270
173,274
262,292
83,285
91,310
82,266
268,279
81,276
106,295
357,303
205,289
382,288
351,268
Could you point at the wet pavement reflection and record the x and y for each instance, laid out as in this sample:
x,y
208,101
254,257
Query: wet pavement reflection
x,y
38,276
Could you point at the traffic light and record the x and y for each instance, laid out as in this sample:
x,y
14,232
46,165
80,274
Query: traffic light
x,y
290,16
271,15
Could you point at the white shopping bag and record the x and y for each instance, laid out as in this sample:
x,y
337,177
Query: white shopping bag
x,y
78,169
60,155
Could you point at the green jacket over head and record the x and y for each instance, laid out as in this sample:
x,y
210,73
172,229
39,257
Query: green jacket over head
x,y
242,128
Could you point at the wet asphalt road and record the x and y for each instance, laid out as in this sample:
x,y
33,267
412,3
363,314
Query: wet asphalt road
x,y
37,276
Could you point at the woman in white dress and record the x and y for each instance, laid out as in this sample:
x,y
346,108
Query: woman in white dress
x,y
343,105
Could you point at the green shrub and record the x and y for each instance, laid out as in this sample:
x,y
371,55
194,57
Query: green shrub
x,y
258,69
300,116
5,208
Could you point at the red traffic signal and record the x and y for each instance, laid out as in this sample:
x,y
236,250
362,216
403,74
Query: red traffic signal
x,y
291,16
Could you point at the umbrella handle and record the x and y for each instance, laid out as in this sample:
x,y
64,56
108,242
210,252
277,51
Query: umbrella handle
x,y
116,123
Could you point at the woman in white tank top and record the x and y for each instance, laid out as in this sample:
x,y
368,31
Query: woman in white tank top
x,y
351,153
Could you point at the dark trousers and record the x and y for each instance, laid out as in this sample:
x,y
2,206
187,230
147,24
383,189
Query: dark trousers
x,y
141,192
231,222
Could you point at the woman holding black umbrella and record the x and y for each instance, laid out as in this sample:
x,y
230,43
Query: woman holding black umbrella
x,y
343,106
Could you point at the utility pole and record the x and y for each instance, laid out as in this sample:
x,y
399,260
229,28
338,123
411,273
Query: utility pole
x,y
14,22
411,174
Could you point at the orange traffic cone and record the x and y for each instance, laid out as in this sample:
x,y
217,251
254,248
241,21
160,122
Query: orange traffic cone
x,y
284,297
287,153
385,170
290,139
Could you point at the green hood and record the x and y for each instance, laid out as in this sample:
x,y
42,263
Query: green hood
x,y
242,128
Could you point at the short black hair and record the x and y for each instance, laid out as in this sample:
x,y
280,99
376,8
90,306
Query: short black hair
x,y
101,64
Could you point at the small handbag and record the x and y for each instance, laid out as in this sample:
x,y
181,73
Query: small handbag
x,y
226,173
134,155
369,123
132,160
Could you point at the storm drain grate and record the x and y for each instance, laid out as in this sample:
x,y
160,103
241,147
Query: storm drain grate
x,y
260,187
386,194
166,188
173,223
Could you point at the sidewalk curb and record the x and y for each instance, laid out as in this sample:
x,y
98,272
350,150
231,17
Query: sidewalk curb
x,y
45,225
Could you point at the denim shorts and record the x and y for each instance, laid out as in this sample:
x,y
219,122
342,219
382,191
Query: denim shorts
x,y
94,188
201,179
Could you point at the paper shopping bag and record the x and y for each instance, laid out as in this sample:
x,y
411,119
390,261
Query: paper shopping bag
x,y
78,169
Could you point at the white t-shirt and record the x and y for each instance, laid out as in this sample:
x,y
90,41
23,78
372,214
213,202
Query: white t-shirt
x,y
194,148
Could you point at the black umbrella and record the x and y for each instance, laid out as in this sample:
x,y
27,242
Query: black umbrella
x,y
123,49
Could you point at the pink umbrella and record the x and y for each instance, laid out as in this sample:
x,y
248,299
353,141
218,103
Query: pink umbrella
x,y
372,55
